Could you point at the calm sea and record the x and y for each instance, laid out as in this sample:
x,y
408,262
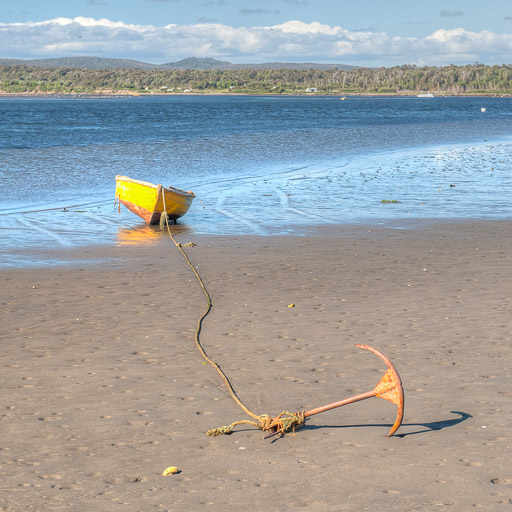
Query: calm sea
x,y
259,165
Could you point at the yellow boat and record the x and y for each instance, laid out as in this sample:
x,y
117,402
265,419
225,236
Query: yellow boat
x,y
148,201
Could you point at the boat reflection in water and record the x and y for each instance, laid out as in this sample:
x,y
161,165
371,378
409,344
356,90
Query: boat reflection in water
x,y
147,234
143,235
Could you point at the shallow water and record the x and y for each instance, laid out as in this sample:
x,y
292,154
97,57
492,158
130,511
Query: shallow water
x,y
259,165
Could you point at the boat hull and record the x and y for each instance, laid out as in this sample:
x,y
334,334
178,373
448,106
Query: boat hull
x,y
149,201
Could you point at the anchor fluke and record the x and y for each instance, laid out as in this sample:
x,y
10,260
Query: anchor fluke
x,y
389,387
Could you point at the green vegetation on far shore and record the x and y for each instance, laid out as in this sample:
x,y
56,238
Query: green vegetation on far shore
x,y
473,79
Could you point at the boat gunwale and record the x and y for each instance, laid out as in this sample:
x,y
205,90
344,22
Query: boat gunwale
x,y
174,190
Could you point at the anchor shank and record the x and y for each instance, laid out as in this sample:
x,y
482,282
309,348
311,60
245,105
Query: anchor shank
x,y
351,400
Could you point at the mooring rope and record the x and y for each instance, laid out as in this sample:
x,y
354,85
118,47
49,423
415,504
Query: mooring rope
x,y
281,424
209,305
69,208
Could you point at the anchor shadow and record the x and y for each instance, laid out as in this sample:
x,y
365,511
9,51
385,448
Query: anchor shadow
x,y
429,426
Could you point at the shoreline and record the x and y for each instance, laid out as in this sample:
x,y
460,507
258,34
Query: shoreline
x,y
125,94
104,387
143,237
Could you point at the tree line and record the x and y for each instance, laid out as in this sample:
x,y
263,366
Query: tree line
x,y
408,79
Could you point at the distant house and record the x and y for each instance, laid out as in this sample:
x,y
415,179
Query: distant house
x,y
312,89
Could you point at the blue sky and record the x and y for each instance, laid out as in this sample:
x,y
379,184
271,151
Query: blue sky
x,y
368,32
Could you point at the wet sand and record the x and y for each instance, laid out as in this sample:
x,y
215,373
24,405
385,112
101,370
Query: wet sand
x,y
103,387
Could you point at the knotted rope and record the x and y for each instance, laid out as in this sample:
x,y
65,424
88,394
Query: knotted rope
x,y
282,424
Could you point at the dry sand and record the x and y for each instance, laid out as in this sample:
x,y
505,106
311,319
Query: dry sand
x,y
103,387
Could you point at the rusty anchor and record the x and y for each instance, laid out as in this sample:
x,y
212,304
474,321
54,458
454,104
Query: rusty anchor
x,y
389,388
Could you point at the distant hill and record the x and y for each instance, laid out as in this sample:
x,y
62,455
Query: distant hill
x,y
79,63
195,63
190,63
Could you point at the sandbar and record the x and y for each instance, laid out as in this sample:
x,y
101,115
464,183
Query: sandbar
x,y
103,387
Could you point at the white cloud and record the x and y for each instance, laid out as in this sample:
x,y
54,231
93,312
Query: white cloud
x,y
459,42
299,27
290,41
84,22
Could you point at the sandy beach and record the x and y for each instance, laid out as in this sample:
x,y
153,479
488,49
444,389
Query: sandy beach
x,y
103,387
